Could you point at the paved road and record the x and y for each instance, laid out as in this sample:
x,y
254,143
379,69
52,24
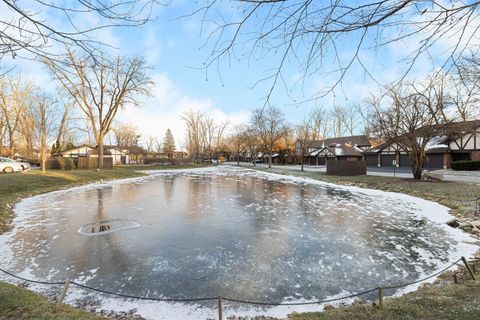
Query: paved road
x,y
446,175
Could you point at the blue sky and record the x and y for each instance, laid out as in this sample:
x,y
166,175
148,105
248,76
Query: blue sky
x,y
173,47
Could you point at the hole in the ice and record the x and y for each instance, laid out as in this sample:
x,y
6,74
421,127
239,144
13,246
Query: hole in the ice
x,y
107,226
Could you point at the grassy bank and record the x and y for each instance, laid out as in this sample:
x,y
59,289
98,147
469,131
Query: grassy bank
x,y
19,303
446,301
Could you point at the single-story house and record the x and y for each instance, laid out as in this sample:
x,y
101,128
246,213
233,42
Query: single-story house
x,y
120,154
75,152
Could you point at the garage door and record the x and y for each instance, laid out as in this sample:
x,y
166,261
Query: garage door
x,y
387,160
434,161
405,161
372,160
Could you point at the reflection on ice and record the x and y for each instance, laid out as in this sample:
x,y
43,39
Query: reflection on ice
x,y
230,232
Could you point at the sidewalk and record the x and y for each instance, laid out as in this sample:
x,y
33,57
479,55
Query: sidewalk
x,y
460,176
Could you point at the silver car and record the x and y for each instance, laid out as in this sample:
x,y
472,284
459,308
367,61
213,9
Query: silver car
x,y
8,165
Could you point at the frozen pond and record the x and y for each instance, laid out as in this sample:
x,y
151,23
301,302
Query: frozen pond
x,y
229,232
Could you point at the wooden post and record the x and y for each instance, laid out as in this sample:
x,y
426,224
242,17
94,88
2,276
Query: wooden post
x,y
220,311
455,278
62,295
380,298
468,268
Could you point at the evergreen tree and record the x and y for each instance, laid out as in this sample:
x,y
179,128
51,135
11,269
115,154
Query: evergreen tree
x,y
56,148
168,144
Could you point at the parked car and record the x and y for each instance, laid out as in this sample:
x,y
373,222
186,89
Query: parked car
x,y
8,165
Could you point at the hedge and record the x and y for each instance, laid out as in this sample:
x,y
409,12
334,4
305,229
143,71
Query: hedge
x,y
466,165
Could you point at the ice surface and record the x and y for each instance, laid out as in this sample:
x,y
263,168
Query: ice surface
x,y
230,232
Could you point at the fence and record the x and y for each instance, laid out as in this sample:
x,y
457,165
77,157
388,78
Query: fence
x,y
346,167
220,300
92,163
79,162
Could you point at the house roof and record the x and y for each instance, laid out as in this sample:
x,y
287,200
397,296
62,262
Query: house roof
x,y
346,150
135,150
77,147
359,141
130,149
106,152
440,143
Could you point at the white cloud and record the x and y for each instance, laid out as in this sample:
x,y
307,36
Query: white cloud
x,y
165,109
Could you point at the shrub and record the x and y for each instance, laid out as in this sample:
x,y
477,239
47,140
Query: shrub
x,y
54,163
68,164
466,165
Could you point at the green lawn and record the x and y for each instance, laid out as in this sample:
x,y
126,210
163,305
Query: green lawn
x,y
19,303
449,301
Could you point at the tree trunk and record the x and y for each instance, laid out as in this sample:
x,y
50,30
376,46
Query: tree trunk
x,y
100,151
417,167
238,159
270,159
44,161
417,171
303,160
11,147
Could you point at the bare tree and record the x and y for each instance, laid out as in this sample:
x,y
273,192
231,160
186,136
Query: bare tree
x,y
466,88
63,126
270,126
238,141
150,144
204,135
158,145
44,113
27,27
101,87
126,134
252,142
15,94
307,33
305,133
408,118
193,121
337,117
351,118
